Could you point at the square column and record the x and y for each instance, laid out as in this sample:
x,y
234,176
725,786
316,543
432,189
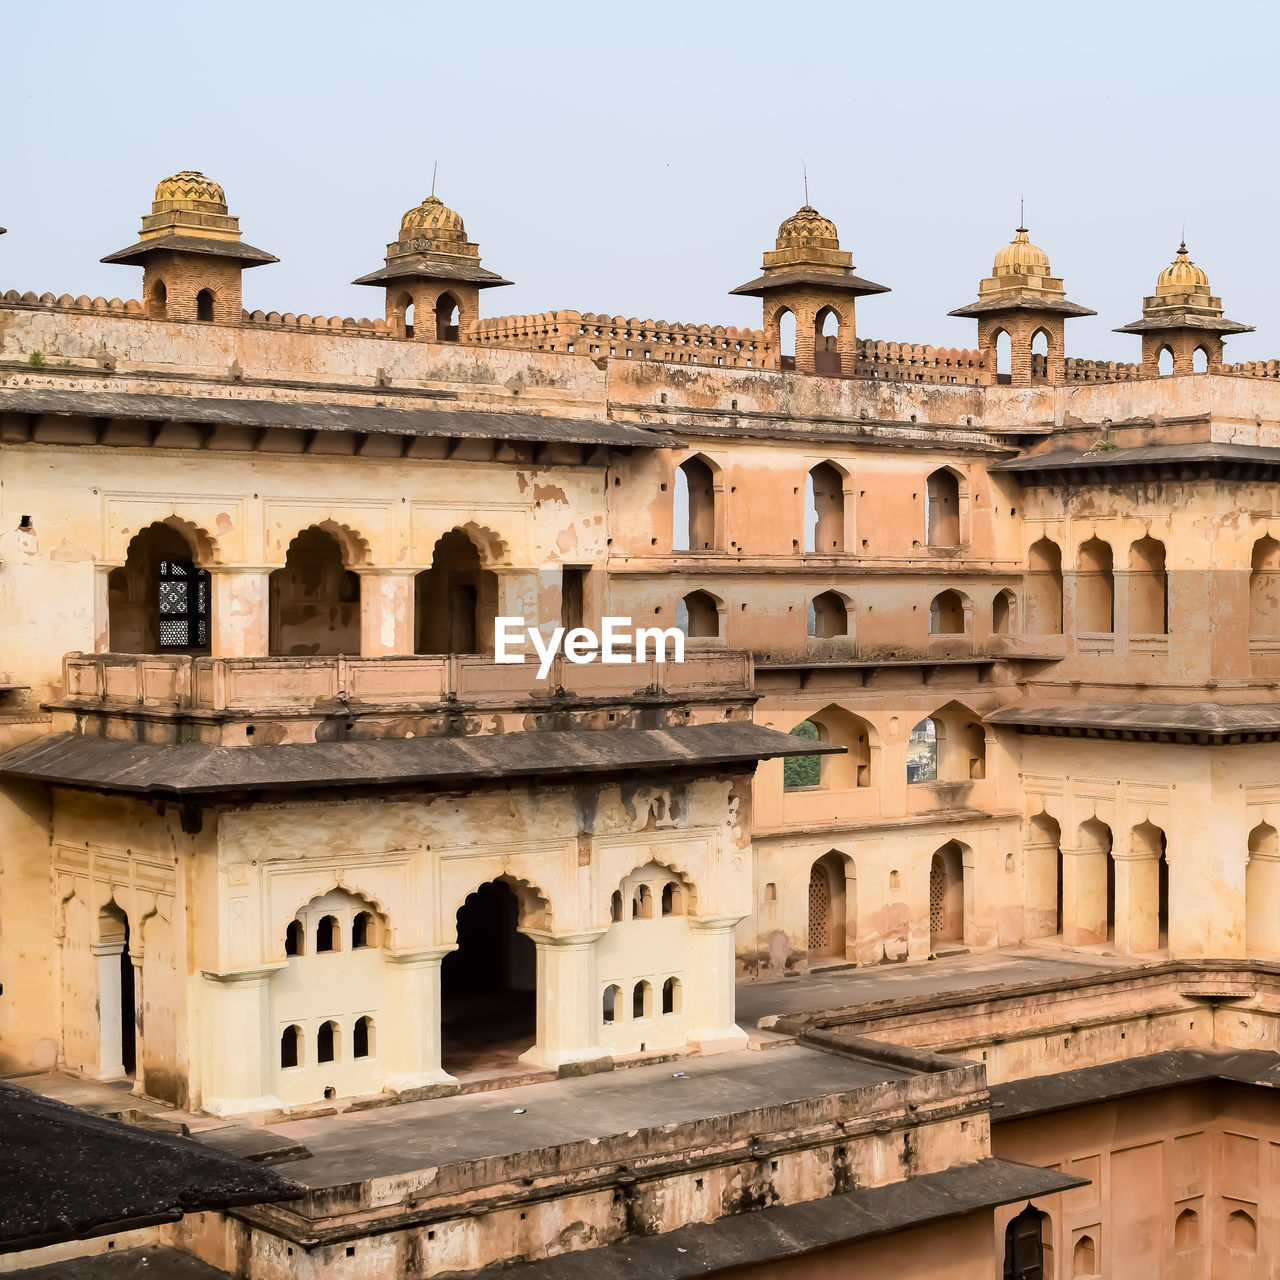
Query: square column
x,y
239,1052
412,1040
1137,904
386,612
568,1002
240,626
1084,897
711,1006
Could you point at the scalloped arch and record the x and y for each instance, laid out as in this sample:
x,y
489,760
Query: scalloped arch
x,y
204,546
353,544
535,903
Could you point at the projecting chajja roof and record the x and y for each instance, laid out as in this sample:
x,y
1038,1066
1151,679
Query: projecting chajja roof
x,y
189,215
433,244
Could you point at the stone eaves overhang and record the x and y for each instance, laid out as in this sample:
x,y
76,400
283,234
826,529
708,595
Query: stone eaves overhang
x,y
261,415
1169,1070
1141,464
842,281
1020,302
1199,723
417,268
1176,319
245,254
195,771
789,1231
70,1175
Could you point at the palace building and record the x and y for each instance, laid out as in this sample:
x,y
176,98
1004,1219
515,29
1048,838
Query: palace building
x,y
981,659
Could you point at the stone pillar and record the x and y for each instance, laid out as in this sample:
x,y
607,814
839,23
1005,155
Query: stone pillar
x,y
386,612
240,625
1262,905
711,989
240,1053
568,1003
1084,897
101,608
110,1063
410,1029
1137,906
139,1028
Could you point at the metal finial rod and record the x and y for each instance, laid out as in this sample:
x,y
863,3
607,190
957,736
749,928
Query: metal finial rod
x,y
434,167
1022,212
805,170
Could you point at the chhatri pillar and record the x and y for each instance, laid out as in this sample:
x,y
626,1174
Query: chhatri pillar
x,y
1023,299
809,275
1182,317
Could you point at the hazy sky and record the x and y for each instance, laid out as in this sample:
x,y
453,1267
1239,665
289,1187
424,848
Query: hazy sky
x,y
637,159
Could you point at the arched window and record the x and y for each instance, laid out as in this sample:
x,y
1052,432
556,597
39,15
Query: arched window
x,y
803,771
694,507
456,600
1164,362
824,510
1264,588
158,306
363,930
1262,892
826,343
671,996
294,938
1186,1231
947,614
943,515
1004,613
1199,361
698,616
1242,1232
1095,589
922,752
1044,588
446,318
1004,357
612,995
291,1047
642,1000
1040,356
1148,588
204,305
828,616
1084,1257
1024,1246
362,1038
159,600
328,935
672,899
615,906
405,306
786,339
327,1042
642,903
315,599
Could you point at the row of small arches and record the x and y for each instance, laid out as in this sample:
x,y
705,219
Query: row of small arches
x,y
641,1000
671,903
328,1042
329,934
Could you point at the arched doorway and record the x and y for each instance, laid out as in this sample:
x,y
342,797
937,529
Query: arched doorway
x,y
826,342
829,909
447,322
158,600
117,1008
1024,1247
456,600
946,896
488,985
314,599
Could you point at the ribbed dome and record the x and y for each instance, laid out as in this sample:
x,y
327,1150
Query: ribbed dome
x,y
189,189
1181,275
1021,258
808,227
435,220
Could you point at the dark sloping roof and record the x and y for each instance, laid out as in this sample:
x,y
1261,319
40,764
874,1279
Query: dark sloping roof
x,y
302,415
411,268
1143,455
1022,302
844,281
67,1174
150,1262
105,764
1038,1094
246,254
1212,324
788,1231
1211,719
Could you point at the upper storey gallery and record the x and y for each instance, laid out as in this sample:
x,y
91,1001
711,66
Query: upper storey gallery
x,y
193,256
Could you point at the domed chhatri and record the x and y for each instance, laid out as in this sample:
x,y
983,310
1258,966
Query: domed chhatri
x,y
1021,258
434,219
1181,276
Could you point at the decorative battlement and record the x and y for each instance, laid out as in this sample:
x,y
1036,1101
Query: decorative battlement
x,y
907,362
1076,370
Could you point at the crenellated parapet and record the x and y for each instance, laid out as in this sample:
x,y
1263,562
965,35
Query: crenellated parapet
x,y
1253,369
1077,370
589,333
908,362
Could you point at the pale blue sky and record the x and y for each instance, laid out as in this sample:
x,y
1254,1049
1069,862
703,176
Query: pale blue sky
x,y
638,159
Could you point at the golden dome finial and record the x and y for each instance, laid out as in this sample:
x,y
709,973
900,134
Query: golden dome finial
x,y
1181,275
1021,258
